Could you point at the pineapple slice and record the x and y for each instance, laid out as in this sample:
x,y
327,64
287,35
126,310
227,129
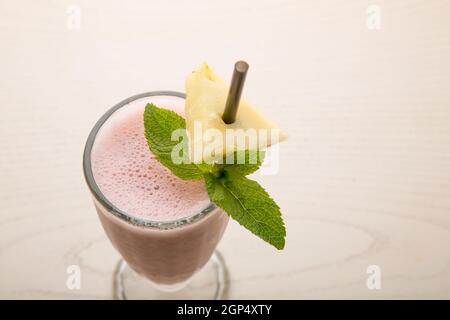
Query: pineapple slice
x,y
206,95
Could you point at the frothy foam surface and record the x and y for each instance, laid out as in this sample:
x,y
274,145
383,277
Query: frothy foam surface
x,y
131,178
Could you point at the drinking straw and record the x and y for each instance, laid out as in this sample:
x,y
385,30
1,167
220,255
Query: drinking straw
x,y
234,95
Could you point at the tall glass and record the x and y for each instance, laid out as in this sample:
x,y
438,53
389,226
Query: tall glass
x,y
161,259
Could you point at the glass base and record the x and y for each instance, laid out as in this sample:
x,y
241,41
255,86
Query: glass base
x,y
208,283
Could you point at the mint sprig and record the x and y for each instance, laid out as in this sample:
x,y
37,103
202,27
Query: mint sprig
x,y
243,199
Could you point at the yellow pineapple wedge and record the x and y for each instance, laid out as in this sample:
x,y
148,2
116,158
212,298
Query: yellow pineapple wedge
x,y
206,95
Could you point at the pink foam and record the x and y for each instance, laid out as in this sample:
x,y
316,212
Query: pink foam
x,y
131,178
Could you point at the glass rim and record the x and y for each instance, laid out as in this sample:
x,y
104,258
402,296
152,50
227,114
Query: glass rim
x,y
103,200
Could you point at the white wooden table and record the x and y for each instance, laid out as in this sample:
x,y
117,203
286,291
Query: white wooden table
x,y
364,178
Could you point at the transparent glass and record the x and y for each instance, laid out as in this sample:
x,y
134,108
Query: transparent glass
x,y
161,259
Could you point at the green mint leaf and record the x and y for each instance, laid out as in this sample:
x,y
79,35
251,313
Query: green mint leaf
x,y
159,124
249,204
243,162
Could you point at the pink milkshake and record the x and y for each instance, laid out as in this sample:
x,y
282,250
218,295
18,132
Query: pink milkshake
x,y
164,227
